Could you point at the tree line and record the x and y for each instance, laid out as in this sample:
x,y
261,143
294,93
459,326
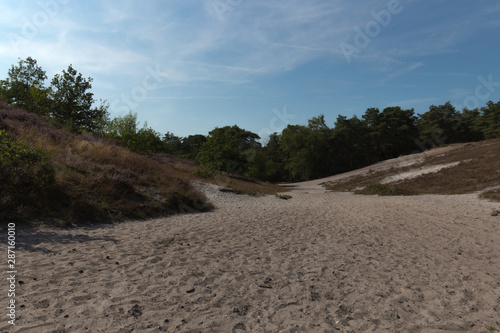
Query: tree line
x,y
315,150
299,152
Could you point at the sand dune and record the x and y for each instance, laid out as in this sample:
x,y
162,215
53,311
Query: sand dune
x,y
319,262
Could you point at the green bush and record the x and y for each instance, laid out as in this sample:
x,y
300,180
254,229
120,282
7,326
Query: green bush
x,y
25,173
126,130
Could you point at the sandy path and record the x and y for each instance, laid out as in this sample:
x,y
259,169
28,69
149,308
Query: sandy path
x,y
319,262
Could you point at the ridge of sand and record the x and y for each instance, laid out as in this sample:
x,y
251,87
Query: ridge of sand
x,y
319,262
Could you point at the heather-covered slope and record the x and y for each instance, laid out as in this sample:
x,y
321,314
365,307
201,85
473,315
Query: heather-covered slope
x,y
85,178
454,169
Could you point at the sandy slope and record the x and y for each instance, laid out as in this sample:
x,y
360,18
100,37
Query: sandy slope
x,y
319,262
393,163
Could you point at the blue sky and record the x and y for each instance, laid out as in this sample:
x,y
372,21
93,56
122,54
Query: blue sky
x,y
188,66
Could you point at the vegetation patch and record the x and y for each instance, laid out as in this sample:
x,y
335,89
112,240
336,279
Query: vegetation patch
x,y
25,175
284,196
382,189
82,177
493,195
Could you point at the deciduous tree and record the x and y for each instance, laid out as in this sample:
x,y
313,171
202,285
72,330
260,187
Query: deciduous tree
x,y
73,102
227,149
24,88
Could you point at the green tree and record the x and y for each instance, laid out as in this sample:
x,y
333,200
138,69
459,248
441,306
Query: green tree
x,y
398,130
391,132
24,87
191,145
320,139
123,128
307,149
469,129
73,102
440,124
373,122
296,143
350,144
489,122
172,143
147,140
227,149
140,140
269,162
187,147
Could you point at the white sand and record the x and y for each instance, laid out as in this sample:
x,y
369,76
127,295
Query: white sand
x,y
319,262
418,172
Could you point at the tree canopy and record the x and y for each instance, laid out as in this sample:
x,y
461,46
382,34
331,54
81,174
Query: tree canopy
x,y
24,88
68,100
228,149
73,102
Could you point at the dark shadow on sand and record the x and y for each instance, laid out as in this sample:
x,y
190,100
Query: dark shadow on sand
x,y
28,239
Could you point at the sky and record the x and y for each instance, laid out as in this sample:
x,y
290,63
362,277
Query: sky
x,y
188,66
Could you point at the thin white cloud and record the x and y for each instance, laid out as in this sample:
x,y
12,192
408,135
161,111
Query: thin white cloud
x,y
191,97
85,55
403,71
252,39
414,101
460,93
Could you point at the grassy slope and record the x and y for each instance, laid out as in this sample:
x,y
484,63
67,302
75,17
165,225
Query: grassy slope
x,y
478,171
97,181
